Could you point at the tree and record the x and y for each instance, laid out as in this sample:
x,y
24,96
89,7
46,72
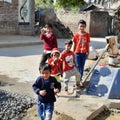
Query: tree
x,y
72,3
60,3
43,3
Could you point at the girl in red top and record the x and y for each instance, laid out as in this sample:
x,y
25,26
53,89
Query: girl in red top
x,y
81,46
69,68
50,42
56,64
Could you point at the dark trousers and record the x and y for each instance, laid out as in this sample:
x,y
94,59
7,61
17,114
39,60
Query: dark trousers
x,y
44,58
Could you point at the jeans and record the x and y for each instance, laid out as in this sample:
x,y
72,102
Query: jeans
x,y
80,59
45,110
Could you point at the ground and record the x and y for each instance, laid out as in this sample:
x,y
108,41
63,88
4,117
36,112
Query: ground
x,y
10,84
31,113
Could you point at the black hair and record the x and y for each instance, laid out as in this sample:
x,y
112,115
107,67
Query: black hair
x,y
82,22
45,66
69,42
48,25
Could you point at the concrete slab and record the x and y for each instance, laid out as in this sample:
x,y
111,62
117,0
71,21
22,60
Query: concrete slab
x,y
18,40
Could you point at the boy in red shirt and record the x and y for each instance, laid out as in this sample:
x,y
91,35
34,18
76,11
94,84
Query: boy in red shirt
x,y
69,68
56,64
50,42
81,42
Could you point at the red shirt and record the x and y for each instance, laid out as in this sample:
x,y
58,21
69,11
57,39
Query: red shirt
x,y
68,60
50,41
57,68
81,42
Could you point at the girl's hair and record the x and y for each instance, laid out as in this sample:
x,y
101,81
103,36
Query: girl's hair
x,y
82,22
45,67
48,25
69,42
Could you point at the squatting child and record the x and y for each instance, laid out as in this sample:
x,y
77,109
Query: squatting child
x,y
56,64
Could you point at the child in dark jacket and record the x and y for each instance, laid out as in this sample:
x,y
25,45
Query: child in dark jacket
x,y
46,87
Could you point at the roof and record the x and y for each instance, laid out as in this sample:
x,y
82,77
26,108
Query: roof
x,y
91,7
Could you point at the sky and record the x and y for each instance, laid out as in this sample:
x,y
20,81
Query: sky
x,y
6,0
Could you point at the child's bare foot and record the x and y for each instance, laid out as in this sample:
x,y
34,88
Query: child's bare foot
x,y
67,92
81,84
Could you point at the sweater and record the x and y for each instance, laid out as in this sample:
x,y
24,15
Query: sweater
x,y
48,85
49,42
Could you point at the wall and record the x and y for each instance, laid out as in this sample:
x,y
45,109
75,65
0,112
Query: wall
x,y
98,25
97,22
71,19
9,18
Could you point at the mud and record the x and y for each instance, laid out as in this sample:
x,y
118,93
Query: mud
x,y
64,117
108,115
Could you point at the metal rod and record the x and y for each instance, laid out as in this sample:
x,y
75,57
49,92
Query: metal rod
x,y
106,47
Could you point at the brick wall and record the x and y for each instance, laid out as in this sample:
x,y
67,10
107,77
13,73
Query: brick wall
x,y
9,21
8,18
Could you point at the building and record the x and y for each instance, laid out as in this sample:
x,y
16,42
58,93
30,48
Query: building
x,y
17,17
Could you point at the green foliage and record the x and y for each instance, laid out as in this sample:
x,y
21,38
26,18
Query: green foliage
x,y
43,3
60,3
71,3
74,9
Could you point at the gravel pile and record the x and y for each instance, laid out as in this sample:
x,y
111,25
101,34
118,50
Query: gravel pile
x,y
13,106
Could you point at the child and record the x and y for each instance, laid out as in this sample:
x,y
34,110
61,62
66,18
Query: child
x,y
50,42
69,68
46,87
81,46
56,64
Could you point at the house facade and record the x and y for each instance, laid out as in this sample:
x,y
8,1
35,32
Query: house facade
x,y
17,17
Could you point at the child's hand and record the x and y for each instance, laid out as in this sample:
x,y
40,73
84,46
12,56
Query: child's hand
x,y
42,92
56,91
55,60
43,30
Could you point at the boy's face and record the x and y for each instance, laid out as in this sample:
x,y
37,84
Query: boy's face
x,y
81,27
45,74
48,29
68,47
56,55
